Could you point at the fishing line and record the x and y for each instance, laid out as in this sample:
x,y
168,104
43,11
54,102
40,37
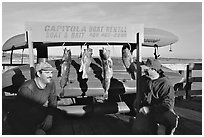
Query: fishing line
x,y
108,46
129,46
63,47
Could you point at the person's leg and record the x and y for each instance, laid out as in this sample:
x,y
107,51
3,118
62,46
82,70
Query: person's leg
x,y
172,120
169,119
35,118
18,126
61,124
144,125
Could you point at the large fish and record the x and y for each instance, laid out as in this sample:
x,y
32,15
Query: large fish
x,y
65,70
128,61
85,62
107,65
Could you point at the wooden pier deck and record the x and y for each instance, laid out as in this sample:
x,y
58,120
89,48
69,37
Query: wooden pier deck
x,y
190,122
189,111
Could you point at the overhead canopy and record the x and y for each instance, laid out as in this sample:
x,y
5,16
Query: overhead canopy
x,y
152,36
157,37
15,42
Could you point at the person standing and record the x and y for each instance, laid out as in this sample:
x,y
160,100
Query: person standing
x,y
155,102
35,103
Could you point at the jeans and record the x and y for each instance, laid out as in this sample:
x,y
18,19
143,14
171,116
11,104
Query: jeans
x,y
147,124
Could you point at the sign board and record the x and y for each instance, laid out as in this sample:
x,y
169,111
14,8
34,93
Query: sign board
x,y
84,32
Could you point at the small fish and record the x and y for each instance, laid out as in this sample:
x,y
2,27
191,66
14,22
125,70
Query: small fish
x,y
85,62
128,62
65,70
107,65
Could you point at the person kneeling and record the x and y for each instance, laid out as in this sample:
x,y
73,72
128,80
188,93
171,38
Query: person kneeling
x,y
155,102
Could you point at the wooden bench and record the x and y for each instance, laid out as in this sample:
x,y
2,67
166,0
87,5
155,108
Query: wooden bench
x,y
186,91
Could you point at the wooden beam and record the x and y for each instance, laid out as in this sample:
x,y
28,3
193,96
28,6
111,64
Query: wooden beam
x,y
195,79
195,66
195,92
96,109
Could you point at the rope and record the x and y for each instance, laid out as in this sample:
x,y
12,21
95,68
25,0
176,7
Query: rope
x,y
63,46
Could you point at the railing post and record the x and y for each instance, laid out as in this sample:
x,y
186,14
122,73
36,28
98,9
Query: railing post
x,y
188,84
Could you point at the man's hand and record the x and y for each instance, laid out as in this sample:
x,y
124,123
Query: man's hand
x,y
145,110
47,123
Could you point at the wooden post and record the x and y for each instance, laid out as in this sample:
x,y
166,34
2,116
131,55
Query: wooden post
x,y
139,46
31,55
139,59
11,57
42,52
188,84
22,56
137,100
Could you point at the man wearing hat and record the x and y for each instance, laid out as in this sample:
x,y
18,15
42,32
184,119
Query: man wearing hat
x,y
35,103
155,102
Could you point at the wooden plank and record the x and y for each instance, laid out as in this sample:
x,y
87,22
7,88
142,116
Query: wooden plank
x,y
188,127
196,66
75,92
94,87
195,92
192,104
180,93
190,79
105,108
189,114
195,79
15,64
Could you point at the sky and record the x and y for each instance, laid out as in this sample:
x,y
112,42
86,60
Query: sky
x,y
184,19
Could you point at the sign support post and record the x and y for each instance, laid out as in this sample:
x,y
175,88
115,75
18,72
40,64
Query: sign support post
x,y
31,55
137,100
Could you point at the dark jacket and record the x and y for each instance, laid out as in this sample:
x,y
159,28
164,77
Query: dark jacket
x,y
157,94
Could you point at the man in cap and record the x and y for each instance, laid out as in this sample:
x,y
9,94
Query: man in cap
x,y
155,102
35,103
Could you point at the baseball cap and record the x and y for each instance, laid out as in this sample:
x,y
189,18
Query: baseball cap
x,y
153,63
44,66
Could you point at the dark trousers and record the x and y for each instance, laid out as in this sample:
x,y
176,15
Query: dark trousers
x,y
147,124
25,122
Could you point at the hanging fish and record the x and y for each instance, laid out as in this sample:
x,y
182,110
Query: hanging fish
x,y
107,65
85,62
65,69
127,59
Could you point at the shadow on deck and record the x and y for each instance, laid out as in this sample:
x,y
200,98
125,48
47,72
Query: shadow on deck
x,y
190,122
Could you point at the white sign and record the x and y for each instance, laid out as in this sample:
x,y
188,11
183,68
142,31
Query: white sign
x,y
84,32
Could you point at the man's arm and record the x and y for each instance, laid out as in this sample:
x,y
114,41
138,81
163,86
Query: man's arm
x,y
52,100
52,104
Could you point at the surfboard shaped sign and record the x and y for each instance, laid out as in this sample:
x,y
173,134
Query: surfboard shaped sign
x,y
84,32
157,37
